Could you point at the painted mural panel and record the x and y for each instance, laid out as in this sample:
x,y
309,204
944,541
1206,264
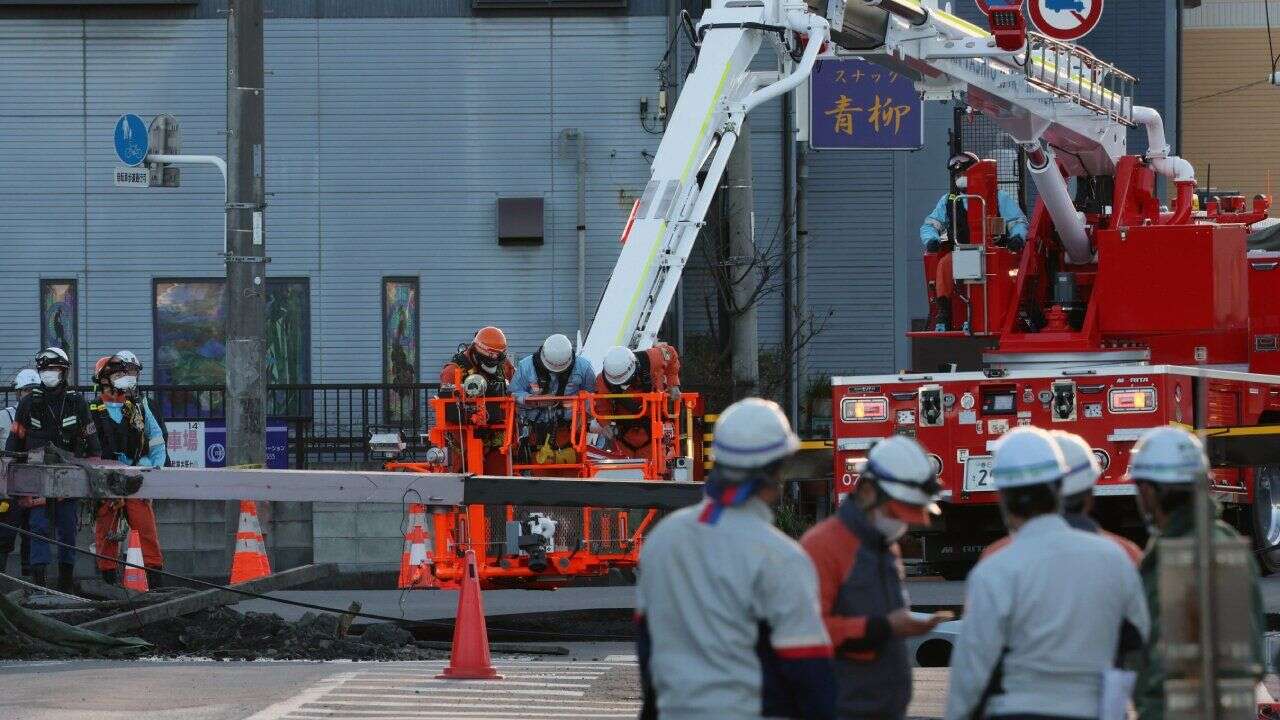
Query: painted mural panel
x,y
59,319
400,347
190,333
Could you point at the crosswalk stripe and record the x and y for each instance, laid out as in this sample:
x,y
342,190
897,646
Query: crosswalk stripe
x,y
435,683
505,704
531,690
475,715
478,711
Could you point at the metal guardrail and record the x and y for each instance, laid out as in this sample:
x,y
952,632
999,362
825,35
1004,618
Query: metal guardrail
x,y
329,424
1072,72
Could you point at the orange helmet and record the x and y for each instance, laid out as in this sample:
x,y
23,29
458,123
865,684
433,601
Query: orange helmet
x,y
491,341
99,366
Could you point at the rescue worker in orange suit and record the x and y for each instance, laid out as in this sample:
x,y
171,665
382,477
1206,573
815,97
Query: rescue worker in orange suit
x,y
656,370
53,415
485,358
951,216
861,576
132,432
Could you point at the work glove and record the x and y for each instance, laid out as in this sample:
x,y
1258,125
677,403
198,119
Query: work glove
x,y
604,430
479,417
1015,244
673,394
933,245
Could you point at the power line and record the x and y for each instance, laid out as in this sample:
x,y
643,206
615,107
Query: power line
x,y
1224,92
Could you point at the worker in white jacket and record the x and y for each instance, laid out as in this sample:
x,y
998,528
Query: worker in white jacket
x,y
1050,615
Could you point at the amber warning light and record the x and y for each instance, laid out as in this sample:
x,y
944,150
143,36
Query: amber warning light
x,y
1132,400
864,409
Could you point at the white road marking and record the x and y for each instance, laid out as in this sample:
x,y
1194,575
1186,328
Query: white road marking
x,y
285,708
621,658
442,683
532,690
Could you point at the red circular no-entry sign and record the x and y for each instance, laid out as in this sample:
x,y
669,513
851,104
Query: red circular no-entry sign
x,y
1065,20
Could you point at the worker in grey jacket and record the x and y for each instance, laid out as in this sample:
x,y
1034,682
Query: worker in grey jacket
x,y
1047,617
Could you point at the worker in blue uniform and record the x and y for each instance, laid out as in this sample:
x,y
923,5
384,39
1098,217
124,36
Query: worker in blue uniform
x,y
948,225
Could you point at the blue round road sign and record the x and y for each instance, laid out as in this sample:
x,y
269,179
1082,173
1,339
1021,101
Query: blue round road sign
x,y
131,139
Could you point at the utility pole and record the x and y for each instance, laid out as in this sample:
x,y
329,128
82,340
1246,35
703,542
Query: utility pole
x,y
743,272
800,301
246,237
790,335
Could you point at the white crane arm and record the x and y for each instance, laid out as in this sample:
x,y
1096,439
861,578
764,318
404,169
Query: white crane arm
x,y
691,159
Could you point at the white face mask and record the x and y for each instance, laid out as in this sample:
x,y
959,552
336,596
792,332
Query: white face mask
x,y
890,527
125,382
962,182
50,378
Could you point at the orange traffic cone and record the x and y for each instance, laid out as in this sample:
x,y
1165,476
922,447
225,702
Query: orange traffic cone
x,y
469,657
250,561
415,567
135,578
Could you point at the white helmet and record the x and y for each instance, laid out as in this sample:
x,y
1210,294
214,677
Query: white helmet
x,y
753,433
1027,456
557,353
26,379
619,365
1083,469
1169,456
900,467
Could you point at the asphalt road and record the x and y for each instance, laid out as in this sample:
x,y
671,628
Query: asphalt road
x,y
598,681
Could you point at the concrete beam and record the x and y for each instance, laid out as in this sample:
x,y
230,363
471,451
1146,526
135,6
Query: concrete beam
x,y
437,489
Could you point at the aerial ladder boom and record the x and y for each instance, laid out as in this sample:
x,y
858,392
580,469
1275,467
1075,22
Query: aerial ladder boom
x,y
1061,104
692,156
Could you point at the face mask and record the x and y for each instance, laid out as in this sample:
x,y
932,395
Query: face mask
x,y
50,378
115,405
125,382
890,527
962,182
489,368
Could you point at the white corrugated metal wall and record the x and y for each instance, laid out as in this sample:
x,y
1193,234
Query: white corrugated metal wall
x,y
389,140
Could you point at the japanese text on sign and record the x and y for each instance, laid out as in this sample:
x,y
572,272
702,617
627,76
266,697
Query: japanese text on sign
x,y
857,104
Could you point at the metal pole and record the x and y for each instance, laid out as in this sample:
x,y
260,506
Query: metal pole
x,y
1205,601
801,299
744,277
1204,576
789,335
246,352
582,233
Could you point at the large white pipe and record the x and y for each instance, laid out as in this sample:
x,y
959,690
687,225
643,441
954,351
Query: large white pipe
x,y
1057,200
1170,166
818,30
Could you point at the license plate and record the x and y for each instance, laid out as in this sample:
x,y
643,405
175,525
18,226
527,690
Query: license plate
x,y
977,474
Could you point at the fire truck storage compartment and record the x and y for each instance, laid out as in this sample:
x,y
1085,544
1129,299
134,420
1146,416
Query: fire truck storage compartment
x,y
1157,280
1264,312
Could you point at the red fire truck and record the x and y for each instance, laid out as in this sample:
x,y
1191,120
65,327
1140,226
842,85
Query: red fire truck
x,y
1120,314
